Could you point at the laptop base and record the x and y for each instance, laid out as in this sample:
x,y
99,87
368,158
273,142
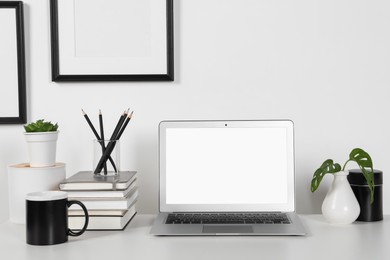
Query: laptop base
x,y
159,228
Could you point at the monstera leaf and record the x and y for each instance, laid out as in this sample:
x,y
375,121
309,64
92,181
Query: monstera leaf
x,y
327,167
363,160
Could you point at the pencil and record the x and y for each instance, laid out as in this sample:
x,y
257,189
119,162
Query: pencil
x,y
118,127
97,135
114,137
111,144
124,125
91,125
102,138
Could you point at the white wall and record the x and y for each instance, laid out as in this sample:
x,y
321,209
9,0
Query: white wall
x,y
323,64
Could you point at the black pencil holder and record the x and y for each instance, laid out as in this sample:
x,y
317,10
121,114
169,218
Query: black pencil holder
x,y
368,212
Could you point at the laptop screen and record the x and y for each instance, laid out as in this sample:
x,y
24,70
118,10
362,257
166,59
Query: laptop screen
x,y
226,166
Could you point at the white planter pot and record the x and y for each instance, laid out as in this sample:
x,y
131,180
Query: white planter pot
x,y
340,205
42,148
23,179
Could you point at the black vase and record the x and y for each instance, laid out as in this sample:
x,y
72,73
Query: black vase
x,y
368,212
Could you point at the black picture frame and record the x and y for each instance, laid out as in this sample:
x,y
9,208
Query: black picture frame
x,y
58,76
21,117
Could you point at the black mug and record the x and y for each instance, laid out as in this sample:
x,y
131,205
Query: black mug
x,y
47,218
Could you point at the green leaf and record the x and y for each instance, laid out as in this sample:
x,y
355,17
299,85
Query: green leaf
x,y
41,126
363,159
327,167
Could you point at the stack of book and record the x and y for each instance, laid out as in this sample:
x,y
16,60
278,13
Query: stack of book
x,y
110,200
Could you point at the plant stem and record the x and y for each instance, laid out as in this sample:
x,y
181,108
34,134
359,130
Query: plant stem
x,y
345,164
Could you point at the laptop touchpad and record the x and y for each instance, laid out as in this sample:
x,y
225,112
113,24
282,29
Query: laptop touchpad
x,y
225,229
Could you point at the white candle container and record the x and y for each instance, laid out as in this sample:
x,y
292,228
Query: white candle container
x,y
23,179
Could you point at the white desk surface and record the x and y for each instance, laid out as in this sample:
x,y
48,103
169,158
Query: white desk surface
x,y
356,241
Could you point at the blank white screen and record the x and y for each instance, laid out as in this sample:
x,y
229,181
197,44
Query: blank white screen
x,y
226,165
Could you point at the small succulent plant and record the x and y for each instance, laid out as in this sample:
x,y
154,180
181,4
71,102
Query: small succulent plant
x,y
41,126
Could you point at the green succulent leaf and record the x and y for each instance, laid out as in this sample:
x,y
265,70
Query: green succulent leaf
x,y
327,167
41,126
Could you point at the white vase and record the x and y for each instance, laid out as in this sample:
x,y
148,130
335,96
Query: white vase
x,y
42,147
340,205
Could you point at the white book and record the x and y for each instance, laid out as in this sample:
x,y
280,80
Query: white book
x,y
109,203
118,222
102,193
102,212
86,180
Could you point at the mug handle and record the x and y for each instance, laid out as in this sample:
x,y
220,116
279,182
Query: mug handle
x,y
71,232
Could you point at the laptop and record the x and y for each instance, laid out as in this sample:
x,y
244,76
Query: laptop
x,y
227,178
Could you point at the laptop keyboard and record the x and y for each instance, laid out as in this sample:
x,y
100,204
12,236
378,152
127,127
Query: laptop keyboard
x,y
228,218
